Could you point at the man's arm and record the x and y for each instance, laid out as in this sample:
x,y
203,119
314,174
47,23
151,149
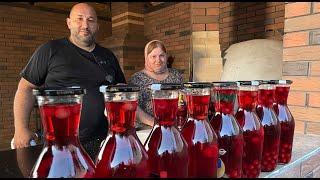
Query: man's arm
x,y
144,117
22,108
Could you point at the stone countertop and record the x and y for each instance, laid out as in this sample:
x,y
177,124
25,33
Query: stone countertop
x,y
305,161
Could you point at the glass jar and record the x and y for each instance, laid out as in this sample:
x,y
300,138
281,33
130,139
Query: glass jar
x,y
166,147
200,136
230,136
253,133
286,120
271,125
182,111
122,154
62,154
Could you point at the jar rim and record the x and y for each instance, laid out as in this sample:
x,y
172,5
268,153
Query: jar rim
x,y
58,91
224,84
197,85
119,88
164,86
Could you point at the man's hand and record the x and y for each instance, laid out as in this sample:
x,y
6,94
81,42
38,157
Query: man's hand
x,y
22,138
22,108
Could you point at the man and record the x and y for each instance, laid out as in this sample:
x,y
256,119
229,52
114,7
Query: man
x,y
73,61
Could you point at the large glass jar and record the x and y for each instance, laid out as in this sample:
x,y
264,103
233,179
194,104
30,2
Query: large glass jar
x,y
122,154
230,136
253,133
271,125
200,136
62,154
166,147
286,120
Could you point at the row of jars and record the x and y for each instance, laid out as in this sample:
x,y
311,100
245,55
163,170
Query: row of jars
x,y
247,142
255,114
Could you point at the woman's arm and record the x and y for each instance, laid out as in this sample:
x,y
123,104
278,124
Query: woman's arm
x,y
144,118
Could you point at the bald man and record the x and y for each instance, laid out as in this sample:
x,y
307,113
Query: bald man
x,y
74,61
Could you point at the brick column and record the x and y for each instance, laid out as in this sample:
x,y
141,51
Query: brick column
x,y
127,40
205,46
301,55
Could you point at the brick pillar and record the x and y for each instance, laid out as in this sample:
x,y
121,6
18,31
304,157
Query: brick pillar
x,y
205,46
127,40
301,56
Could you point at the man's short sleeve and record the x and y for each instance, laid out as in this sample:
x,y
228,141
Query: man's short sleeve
x,y
37,68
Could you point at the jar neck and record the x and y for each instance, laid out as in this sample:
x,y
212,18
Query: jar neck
x,y
165,105
198,106
224,100
121,115
60,122
266,96
281,94
165,110
247,99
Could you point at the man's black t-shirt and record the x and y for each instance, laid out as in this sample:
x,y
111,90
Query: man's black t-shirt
x,y
59,63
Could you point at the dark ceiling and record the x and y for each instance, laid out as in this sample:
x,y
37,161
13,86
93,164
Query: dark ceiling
x,y
103,9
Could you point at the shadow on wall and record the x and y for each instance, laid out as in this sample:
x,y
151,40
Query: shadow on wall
x,y
257,59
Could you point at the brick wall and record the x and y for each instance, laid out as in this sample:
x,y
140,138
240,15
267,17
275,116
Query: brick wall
x,y
301,56
172,25
205,16
241,21
205,45
21,32
127,40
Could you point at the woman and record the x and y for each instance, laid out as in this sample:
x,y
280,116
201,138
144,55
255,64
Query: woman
x,y
155,71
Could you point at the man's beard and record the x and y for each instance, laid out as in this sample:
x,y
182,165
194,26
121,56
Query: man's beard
x,y
85,40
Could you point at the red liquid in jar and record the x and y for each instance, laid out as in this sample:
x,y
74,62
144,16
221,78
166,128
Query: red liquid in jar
x,y
252,153
122,155
201,138
253,133
168,153
230,136
287,124
198,106
166,147
224,103
271,127
233,145
121,115
225,99
62,156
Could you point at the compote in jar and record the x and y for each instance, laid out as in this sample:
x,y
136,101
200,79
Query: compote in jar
x,y
62,154
200,136
286,120
166,147
271,125
230,136
122,154
253,133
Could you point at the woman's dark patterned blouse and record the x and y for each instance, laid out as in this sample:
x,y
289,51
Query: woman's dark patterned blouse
x,y
142,80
